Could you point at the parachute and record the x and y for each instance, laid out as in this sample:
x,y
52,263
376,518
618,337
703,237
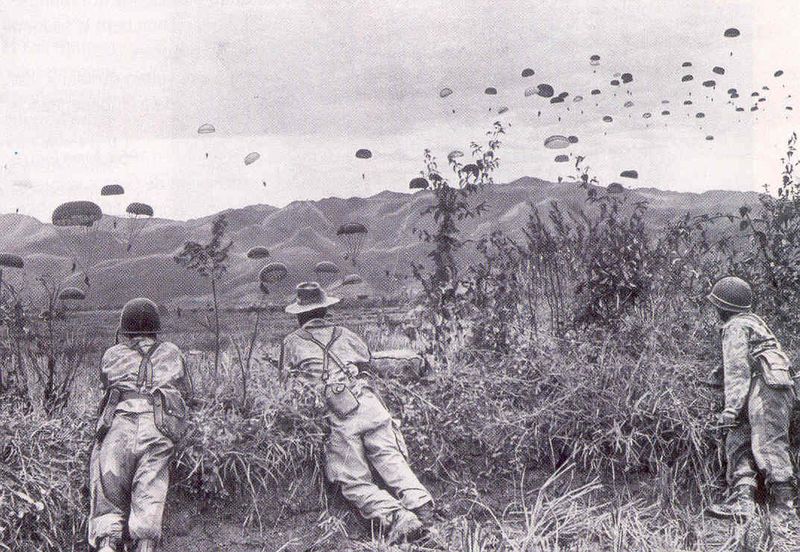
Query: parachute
x,y
614,82
352,235
615,188
490,91
206,129
732,32
719,70
607,119
76,223
665,112
138,215
251,158
596,92
627,78
556,142
273,273
687,78
363,154
258,252
72,294
709,137
545,90
739,109
561,158
563,94
629,174
7,260
557,99
646,115
573,139
732,91
710,83
351,280
502,110
629,104
665,102
594,60
687,102
700,115
528,72
418,183
778,73
577,99
444,92
112,190
686,64
326,267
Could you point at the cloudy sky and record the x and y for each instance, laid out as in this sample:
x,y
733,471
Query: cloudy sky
x,y
94,93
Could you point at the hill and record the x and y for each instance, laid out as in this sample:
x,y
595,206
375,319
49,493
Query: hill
x,y
303,233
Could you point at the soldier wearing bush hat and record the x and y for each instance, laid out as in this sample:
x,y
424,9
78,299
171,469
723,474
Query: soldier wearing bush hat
x,y
328,360
759,399
142,417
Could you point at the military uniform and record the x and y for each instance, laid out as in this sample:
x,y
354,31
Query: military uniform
x,y
366,438
129,466
759,395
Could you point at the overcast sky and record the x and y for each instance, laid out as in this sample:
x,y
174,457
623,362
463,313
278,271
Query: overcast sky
x,y
95,93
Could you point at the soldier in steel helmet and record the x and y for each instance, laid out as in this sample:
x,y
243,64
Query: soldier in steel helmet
x,y
759,399
328,362
143,415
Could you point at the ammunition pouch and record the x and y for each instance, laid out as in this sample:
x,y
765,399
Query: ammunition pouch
x,y
170,413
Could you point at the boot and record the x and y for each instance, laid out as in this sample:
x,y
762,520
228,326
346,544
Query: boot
x,y
739,505
145,545
405,527
108,544
783,521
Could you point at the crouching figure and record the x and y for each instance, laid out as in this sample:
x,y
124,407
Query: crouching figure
x,y
759,398
329,361
142,417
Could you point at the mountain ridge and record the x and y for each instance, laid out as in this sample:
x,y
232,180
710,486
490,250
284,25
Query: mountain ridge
x,y
303,233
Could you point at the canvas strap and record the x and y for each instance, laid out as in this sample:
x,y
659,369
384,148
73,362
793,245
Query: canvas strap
x,y
327,354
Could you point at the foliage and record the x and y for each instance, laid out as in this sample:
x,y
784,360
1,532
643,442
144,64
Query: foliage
x,y
210,261
774,264
452,205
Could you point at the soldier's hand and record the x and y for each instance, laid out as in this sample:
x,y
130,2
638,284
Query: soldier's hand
x,y
726,420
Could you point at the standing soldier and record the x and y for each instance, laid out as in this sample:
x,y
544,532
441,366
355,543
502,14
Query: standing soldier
x,y
328,361
142,417
759,399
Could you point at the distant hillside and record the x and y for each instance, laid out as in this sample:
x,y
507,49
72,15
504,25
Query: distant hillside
x,y
303,233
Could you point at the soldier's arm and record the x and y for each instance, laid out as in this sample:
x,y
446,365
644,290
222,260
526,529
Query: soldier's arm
x,y
736,362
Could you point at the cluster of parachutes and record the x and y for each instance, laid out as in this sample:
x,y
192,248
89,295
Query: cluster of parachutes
x,y
275,272
78,225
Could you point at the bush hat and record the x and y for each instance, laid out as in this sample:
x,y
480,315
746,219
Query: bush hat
x,y
310,296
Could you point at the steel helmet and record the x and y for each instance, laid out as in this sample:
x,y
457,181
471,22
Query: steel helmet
x,y
731,294
139,316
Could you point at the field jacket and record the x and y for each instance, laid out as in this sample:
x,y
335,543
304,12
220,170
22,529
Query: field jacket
x,y
302,360
119,369
744,337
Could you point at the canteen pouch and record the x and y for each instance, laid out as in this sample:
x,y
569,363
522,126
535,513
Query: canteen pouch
x,y
169,413
776,369
107,409
341,400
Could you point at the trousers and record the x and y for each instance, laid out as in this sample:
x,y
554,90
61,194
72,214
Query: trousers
x,y
761,442
129,479
369,439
